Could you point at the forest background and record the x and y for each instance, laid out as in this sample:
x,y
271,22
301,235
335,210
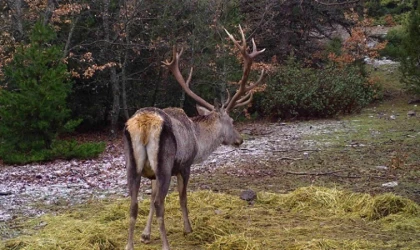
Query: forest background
x,y
85,66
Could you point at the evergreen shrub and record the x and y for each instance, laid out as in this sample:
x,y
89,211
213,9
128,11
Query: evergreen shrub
x,y
299,92
410,61
33,103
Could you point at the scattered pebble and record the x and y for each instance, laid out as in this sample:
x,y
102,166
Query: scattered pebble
x,y
381,167
248,195
390,184
411,113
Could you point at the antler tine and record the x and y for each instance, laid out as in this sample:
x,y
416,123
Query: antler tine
x,y
189,78
233,39
173,66
248,60
260,79
255,52
175,58
244,100
228,99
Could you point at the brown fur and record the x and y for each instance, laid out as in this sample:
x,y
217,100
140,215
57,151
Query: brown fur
x,y
206,119
163,143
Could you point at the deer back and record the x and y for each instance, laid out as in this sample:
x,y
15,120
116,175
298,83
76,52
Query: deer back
x,y
184,130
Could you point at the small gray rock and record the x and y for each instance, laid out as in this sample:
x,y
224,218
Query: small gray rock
x,y
246,131
4,193
411,113
390,184
148,191
248,195
381,167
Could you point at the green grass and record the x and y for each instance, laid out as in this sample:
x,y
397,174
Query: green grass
x,y
350,148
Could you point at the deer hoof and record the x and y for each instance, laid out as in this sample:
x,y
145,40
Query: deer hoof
x,y
145,238
129,246
187,231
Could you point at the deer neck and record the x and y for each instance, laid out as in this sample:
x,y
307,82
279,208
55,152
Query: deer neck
x,y
209,136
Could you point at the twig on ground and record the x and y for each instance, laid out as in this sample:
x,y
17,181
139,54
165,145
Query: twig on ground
x,y
321,173
225,152
265,133
279,150
291,159
297,150
333,173
247,149
308,150
347,176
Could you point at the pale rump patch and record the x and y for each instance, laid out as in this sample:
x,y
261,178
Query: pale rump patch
x,y
144,125
145,129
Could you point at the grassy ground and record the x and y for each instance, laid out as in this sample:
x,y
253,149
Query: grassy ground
x,y
358,152
331,198
308,218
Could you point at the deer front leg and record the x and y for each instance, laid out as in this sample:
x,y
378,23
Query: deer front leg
x,y
182,181
145,236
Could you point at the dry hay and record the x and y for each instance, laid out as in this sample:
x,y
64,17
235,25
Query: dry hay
x,y
308,218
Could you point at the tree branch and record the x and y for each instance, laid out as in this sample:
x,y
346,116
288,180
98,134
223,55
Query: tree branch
x,y
66,47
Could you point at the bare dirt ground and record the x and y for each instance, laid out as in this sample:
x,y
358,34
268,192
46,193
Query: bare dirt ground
x,y
28,190
277,157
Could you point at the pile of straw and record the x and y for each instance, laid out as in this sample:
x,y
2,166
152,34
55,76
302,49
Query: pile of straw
x,y
308,218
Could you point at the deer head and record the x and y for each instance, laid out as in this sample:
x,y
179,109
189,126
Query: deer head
x,y
242,97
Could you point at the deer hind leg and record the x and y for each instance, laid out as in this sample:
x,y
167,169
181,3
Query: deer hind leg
x,y
161,160
145,236
182,181
133,185
162,183
135,159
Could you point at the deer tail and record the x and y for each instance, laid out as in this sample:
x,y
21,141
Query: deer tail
x,y
143,128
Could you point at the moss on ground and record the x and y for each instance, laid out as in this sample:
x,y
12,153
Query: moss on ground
x,y
308,218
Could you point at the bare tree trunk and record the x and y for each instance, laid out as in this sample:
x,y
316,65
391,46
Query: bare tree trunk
x,y
124,85
16,7
49,10
115,85
115,112
125,63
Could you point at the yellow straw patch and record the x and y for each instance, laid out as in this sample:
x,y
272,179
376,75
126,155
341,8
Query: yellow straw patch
x,y
308,218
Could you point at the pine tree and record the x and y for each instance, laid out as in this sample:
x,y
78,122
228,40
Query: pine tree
x,y
410,61
33,96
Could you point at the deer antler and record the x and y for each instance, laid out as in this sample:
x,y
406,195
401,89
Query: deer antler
x,y
243,95
173,66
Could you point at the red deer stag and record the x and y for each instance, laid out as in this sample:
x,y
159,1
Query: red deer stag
x,y
160,143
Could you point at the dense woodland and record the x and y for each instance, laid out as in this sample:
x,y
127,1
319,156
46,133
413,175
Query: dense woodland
x,y
89,65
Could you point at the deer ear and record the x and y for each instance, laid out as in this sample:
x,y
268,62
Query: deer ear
x,y
202,110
